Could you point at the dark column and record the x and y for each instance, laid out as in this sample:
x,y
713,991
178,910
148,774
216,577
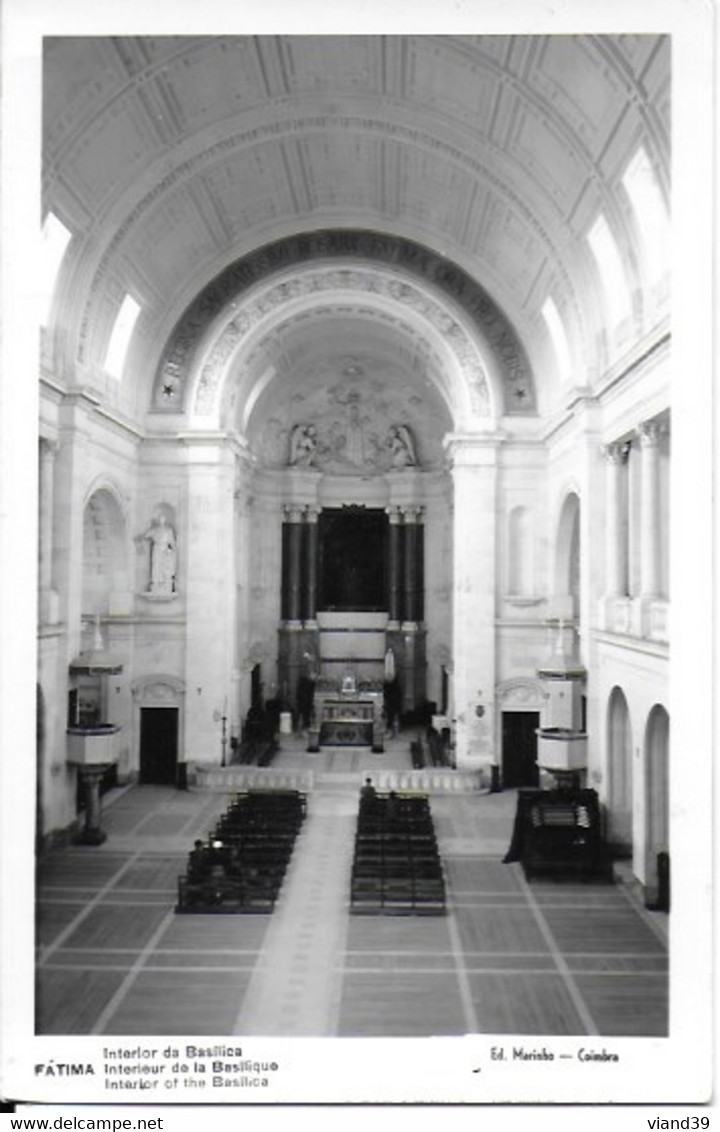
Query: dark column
x,y
394,590
311,564
285,573
410,579
419,614
294,550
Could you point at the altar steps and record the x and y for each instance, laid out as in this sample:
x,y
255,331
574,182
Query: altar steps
x,y
431,780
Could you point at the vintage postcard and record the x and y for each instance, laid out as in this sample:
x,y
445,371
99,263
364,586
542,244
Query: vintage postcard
x,y
356,416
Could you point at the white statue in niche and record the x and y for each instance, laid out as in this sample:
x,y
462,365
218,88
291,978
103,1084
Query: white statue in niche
x,y
163,555
402,448
303,445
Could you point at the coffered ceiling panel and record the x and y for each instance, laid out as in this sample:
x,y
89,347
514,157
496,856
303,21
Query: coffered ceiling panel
x,y
252,187
580,87
333,63
99,168
177,233
637,50
342,170
511,248
550,158
451,82
434,192
83,77
213,81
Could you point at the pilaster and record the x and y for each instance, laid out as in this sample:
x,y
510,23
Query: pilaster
x,y
474,472
211,596
616,548
48,603
649,435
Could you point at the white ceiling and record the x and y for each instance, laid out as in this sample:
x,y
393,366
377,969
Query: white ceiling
x,y
171,158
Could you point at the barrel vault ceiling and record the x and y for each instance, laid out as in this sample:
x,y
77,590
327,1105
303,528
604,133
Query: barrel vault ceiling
x,y
171,158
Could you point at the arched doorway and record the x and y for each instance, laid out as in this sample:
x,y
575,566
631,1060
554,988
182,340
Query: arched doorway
x,y
620,769
657,788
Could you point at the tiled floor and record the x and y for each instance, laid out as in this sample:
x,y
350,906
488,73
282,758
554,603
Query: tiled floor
x,y
547,958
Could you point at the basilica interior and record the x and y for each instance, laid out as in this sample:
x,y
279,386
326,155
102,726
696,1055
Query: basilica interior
x,y
354,461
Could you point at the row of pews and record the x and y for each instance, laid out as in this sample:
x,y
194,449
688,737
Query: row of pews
x,y
241,865
396,866
432,751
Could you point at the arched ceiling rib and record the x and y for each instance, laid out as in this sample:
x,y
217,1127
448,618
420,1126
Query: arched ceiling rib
x,y
169,158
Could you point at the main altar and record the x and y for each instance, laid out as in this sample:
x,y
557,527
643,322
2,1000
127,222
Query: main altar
x,y
347,713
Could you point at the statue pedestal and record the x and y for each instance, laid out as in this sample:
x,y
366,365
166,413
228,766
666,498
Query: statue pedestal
x,y
92,751
91,833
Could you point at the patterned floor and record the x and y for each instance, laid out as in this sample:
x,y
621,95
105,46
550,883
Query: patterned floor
x,y
550,958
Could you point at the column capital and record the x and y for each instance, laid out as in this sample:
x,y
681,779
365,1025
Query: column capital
x,y
617,452
312,512
393,513
412,512
293,512
649,433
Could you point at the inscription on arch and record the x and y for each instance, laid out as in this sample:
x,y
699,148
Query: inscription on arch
x,y
371,247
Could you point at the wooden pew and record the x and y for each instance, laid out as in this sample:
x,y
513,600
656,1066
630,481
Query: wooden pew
x,y
242,865
396,866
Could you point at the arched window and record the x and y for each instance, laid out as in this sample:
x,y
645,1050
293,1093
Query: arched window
x,y
650,215
556,330
55,239
120,337
618,304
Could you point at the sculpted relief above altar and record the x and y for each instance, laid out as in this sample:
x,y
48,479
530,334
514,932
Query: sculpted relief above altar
x,y
356,430
355,447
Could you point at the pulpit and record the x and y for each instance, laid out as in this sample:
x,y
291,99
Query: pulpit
x,y
91,744
92,751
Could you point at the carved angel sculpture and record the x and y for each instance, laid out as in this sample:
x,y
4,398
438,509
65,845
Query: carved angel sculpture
x,y
402,448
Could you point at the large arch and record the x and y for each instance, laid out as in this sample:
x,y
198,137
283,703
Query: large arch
x,y
399,271
657,798
218,371
620,773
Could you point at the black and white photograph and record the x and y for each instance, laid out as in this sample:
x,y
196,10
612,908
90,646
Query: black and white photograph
x,y
357,420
